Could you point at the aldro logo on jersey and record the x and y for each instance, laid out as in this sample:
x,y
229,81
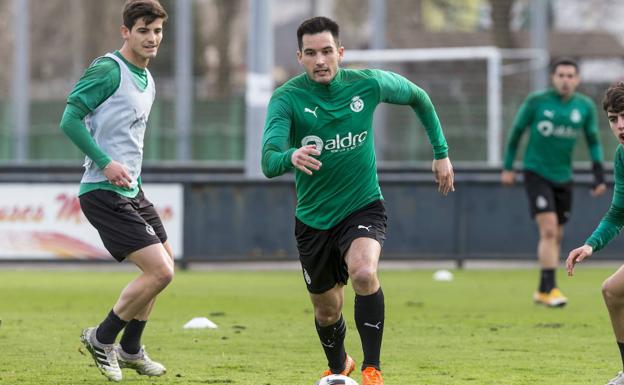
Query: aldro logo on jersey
x,y
338,143
547,129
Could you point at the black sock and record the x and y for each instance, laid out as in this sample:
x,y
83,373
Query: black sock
x,y
369,319
621,346
547,280
131,339
332,338
109,328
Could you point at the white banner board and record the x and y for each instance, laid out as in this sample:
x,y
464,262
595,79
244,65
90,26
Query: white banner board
x,y
44,221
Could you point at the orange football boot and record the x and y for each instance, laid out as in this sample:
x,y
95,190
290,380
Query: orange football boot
x,y
349,367
371,376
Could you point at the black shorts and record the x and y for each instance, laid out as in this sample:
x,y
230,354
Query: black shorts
x,y
546,196
125,224
322,252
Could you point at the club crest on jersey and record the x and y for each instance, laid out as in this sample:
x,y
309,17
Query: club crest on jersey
x,y
313,139
357,104
575,116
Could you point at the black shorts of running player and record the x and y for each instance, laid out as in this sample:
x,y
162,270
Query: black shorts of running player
x,y
322,252
546,196
125,224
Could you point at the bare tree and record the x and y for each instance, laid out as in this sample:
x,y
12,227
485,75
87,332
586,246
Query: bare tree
x,y
352,16
501,19
219,45
6,46
101,27
226,11
404,23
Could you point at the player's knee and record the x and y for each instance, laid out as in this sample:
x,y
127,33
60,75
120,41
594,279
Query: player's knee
x,y
549,233
327,315
610,293
163,276
363,275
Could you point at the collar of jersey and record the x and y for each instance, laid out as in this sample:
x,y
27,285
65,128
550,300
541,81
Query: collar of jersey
x,y
132,67
333,85
555,94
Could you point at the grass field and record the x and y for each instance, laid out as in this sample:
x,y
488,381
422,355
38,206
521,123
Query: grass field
x,y
482,328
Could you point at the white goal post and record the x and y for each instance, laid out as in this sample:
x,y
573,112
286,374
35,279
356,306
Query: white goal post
x,y
493,56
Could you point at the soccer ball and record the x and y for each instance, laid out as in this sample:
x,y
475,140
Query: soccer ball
x,y
336,379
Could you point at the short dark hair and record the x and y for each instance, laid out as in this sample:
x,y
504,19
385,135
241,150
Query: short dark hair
x,y
564,61
148,10
316,25
614,98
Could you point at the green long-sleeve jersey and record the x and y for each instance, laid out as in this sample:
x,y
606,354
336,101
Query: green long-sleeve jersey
x,y
611,224
338,119
554,127
96,85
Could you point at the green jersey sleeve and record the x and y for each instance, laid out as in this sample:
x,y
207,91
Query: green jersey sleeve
x,y
395,89
520,124
96,85
613,221
276,150
592,135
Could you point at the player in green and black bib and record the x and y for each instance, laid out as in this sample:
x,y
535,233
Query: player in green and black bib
x,y
106,117
555,117
319,124
610,225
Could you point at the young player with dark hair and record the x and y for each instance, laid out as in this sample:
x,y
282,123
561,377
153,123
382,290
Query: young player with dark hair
x,y
556,118
106,117
610,225
319,124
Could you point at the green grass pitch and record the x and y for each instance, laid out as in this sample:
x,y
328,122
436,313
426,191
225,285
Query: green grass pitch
x,y
480,329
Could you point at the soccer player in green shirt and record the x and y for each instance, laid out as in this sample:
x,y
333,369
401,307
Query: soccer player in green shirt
x,y
106,117
319,124
556,118
610,225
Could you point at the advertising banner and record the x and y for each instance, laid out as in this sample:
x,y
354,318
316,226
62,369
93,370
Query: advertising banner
x,y
44,221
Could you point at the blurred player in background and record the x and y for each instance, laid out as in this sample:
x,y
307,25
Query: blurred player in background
x,y
319,124
556,117
106,117
610,225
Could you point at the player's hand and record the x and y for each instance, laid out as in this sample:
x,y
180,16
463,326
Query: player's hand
x,y
508,177
117,174
444,176
303,160
576,256
598,190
